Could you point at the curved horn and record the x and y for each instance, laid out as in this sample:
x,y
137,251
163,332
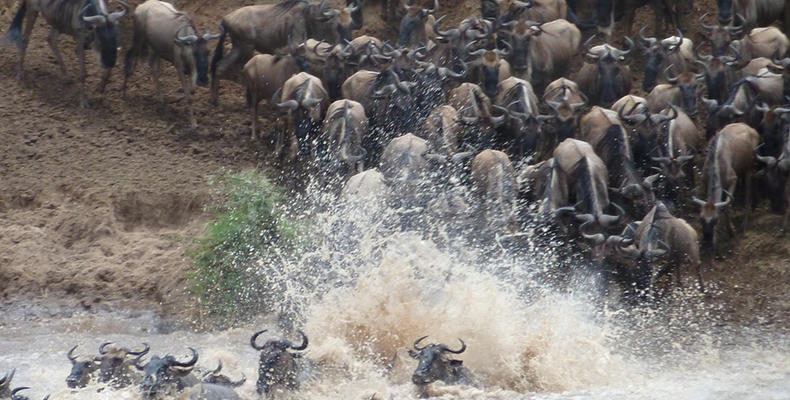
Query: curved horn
x,y
504,53
596,239
303,345
330,13
102,348
71,355
623,53
417,342
95,19
724,203
698,201
253,340
459,351
587,46
189,363
208,36
432,10
186,39
452,33
670,79
116,15
650,41
704,25
290,104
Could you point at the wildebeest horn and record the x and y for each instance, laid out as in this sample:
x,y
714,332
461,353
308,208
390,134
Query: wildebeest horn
x,y
458,157
684,159
623,53
254,337
650,180
219,368
290,104
596,239
698,201
662,160
762,107
417,342
504,53
769,161
6,379
189,363
352,8
432,10
71,355
144,351
650,41
452,33
459,351
116,15
704,25
136,362
607,220
724,203
736,28
93,19
330,13
311,102
522,4
668,77
102,348
303,345
406,5
17,390
208,36
186,39
587,47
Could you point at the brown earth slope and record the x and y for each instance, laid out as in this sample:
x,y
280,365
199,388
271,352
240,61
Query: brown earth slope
x,y
96,205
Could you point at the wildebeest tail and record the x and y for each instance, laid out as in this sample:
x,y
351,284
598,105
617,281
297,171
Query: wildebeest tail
x,y
218,50
14,34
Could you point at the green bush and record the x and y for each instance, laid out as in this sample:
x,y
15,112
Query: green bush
x,y
237,264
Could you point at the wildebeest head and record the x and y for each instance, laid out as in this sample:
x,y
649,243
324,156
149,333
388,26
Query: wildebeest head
x,y
491,62
335,67
413,21
709,216
671,165
81,368
398,92
686,82
112,363
160,372
608,68
720,36
105,26
216,378
5,383
512,9
16,396
277,364
601,245
520,35
717,74
434,364
740,98
196,49
336,23
656,51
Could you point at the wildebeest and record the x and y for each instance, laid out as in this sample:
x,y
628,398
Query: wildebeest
x,y
114,367
365,186
762,42
565,99
278,367
494,183
680,90
475,113
489,69
81,369
719,36
753,12
5,383
605,77
162,375
339,148
674,50
435,365
719,75
728,166
542,52
678,142
88,21
417,24
581,176
522,128
403,160
740,101
441,130
665,11
209,391
660,235
268,27
304,97
263,76
603,129
16,396
215,377
169,34
776,174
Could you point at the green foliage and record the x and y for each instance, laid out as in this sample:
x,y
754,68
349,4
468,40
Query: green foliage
x,y
237,263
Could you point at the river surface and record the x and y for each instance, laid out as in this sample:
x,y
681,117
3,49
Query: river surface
x,y
537,326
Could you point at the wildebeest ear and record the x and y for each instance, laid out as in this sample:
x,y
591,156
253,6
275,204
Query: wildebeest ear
x,y
414,354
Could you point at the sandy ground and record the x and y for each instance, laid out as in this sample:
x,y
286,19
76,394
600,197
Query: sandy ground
x,y
98,205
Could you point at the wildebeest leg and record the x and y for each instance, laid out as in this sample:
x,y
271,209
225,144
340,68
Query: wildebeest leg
x,y
53,44
748,208
253,93
81,60
186,85
153,62
31,22
225,65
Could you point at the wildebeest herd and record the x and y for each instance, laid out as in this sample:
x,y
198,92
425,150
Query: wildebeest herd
x,y
282,367
493,101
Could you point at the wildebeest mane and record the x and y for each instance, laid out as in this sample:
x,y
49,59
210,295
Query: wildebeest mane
x,y
287,5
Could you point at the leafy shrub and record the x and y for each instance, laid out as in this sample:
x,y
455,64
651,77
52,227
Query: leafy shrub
x,y
237,264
